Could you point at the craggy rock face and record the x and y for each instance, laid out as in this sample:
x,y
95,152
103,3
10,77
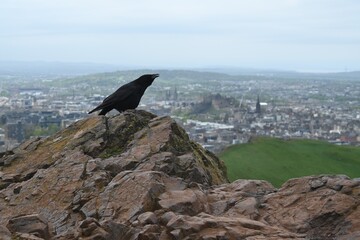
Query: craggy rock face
x,y
138,176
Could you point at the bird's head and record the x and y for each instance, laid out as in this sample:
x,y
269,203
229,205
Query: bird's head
x,y
147,78
155,75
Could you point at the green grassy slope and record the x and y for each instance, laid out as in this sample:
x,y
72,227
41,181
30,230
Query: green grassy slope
x,y
278,160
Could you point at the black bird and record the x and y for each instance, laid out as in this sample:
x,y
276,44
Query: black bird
x,y
127,96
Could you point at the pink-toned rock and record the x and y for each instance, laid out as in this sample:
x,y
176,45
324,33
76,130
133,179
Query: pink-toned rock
x,y
313,207
147,218
26,236
166,217
187,201
5,233
138,176
126,196
31,224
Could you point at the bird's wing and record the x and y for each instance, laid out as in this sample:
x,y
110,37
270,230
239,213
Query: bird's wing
x,y
122,93
119,95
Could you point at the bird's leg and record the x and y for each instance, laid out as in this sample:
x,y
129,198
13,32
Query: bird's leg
x,y
106,128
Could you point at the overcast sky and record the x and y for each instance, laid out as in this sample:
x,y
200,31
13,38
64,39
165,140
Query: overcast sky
x,y
303,35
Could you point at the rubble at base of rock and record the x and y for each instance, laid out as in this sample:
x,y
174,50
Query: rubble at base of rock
x,y
138,176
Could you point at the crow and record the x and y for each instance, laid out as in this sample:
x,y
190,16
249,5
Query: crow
x,y
127,96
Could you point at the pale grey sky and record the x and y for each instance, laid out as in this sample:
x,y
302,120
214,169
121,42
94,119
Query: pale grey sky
x,y
310,35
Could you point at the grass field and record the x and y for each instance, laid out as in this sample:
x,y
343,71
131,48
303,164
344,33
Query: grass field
x,y
278,160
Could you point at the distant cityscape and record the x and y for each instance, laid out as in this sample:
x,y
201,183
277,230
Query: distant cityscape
x,y
217,110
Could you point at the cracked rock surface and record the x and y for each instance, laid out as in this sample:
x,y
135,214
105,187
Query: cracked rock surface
x,y
138,176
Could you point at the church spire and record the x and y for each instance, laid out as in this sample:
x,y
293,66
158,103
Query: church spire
x,y
258,109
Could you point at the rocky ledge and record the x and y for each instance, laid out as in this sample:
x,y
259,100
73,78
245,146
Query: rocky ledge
x,y
138,176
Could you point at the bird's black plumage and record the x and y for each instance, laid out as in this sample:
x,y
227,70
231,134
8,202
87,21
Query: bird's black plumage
x,y
127,96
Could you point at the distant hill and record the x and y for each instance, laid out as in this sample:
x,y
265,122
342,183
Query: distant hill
x,y
170,77
278,160
36,68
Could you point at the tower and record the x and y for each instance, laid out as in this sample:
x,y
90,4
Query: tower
x,y
258,108
175,94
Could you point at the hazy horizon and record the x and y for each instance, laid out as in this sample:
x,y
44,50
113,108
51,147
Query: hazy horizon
x,y
15,65
288,35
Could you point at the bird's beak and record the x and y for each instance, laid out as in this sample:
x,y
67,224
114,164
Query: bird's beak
x,y
155,76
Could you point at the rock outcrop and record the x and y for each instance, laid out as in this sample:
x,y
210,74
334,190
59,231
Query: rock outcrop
x,y
138,176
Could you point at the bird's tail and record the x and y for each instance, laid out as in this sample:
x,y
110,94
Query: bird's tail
x,y
102,112
92,110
